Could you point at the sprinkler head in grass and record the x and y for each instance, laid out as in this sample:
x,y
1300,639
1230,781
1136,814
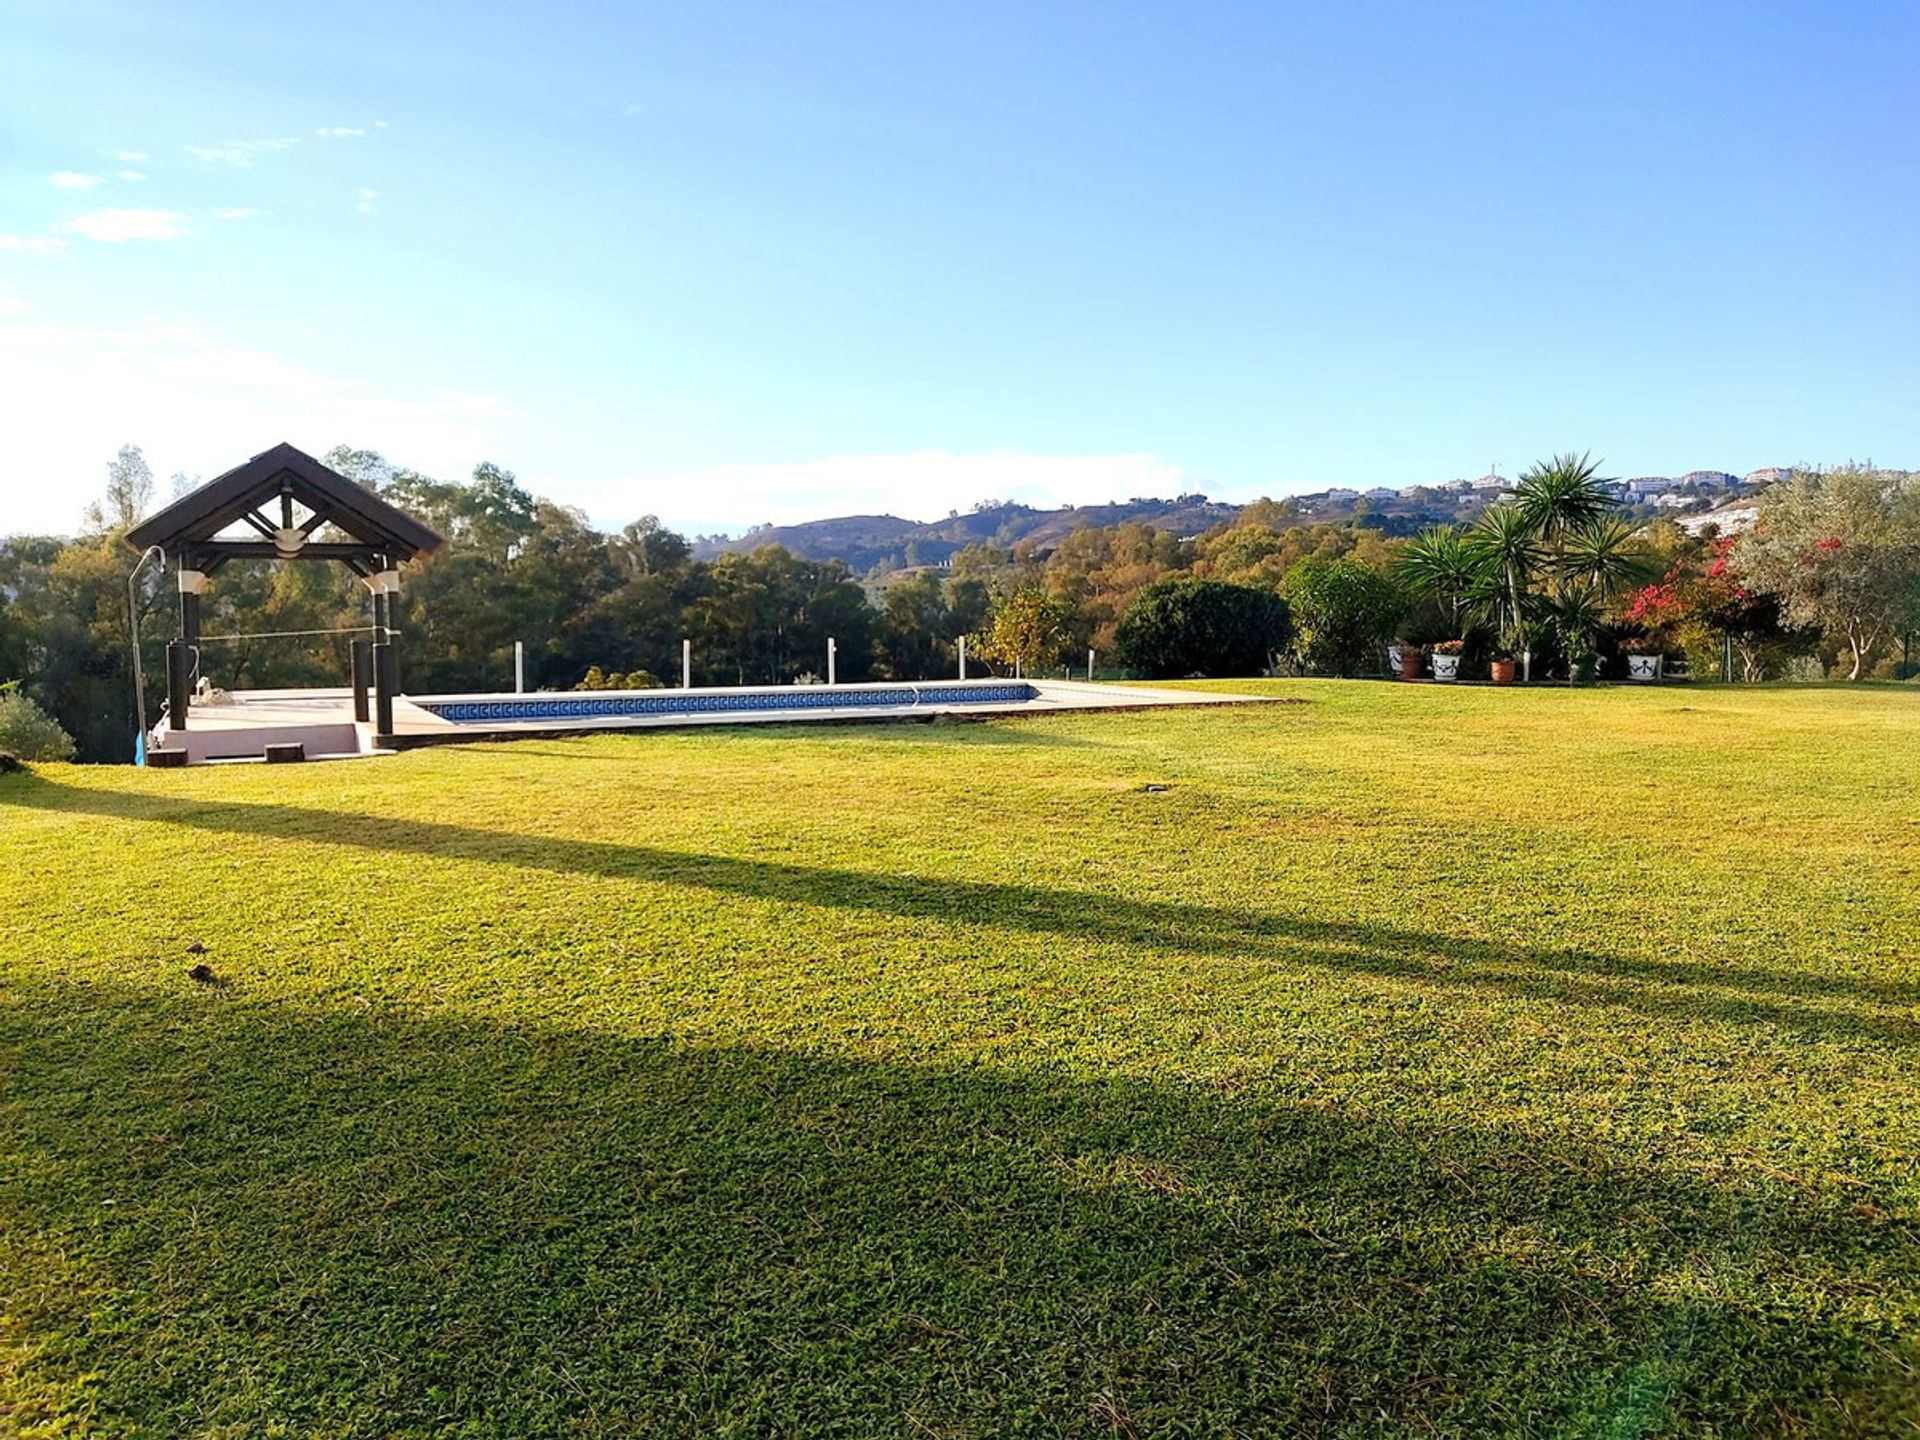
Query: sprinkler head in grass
x,y
1157,789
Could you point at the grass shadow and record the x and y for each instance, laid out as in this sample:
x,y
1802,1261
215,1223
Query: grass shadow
x,y
1819,1006
230,1217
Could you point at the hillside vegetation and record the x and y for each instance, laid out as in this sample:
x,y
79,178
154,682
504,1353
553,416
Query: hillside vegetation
x,y
886,542
1418,1061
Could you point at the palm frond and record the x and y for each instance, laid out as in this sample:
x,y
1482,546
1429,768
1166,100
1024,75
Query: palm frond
x,y
1562,494
1609,556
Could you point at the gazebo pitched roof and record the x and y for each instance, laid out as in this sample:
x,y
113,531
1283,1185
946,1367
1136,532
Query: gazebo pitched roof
x,y
376,531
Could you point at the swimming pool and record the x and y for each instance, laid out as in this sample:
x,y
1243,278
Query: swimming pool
x,y
759,701
239,726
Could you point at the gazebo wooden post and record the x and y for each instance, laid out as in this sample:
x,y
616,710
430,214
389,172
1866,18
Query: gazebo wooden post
x,y
360,658
182,654
386,670
179,666
386,680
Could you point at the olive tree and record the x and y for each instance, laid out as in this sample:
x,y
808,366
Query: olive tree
x,y
1840,550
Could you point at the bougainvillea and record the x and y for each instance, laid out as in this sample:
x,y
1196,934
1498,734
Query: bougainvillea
x,y
1702,602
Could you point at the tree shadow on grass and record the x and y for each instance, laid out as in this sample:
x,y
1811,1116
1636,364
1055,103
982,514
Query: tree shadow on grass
x,y
221,1215
1815,1005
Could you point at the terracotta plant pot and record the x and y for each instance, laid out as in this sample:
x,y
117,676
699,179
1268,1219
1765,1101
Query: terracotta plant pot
x,y
1503,671
1410,659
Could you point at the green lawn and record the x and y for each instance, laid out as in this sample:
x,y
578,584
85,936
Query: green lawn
x,y
1423,1061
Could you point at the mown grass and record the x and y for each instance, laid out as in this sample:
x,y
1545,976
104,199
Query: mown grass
x,y
1422,1061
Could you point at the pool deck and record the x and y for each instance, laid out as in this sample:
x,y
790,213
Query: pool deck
x,y
322,721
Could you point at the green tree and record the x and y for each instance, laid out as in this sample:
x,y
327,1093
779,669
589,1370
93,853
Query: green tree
x,y
1028,631
646,547
913,624
1840,551
1342,613
765,618
1185,626
129,493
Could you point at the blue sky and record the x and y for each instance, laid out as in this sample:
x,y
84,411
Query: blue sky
x,y
729,263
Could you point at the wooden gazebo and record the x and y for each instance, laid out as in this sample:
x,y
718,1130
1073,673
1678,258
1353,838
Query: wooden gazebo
x,y
285,505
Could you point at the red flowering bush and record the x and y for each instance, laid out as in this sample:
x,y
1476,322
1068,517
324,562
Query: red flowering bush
x,y
1699,603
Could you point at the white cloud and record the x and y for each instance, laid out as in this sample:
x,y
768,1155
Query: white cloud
x,y
367,197
130,157
115,226
379,124
341,132
74,180
32,244
239,152
197,402
12,304
239,212
133,175
919,485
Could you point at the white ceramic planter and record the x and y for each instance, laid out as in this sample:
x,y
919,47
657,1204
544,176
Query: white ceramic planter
x,y
1646,667
1393,661
1446,667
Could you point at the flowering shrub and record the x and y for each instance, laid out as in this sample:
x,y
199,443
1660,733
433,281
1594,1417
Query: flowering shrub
x,y
1701,602
1450,647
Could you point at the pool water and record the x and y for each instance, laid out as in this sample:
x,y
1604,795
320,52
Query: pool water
x,y
576,705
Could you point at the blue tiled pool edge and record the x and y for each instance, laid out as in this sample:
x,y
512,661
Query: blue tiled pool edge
x,y
521,709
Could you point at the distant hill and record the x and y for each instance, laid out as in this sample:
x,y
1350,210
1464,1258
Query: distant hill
x,y
867,542
876,544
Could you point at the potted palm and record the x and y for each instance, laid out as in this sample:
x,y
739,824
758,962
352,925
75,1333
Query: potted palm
x,y
1446,659
1502,662
1520,638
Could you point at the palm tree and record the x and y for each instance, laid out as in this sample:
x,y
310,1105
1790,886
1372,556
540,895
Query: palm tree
x,y
1440,564
1607,556
1505,550
1576,613
1561,530
1562,495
